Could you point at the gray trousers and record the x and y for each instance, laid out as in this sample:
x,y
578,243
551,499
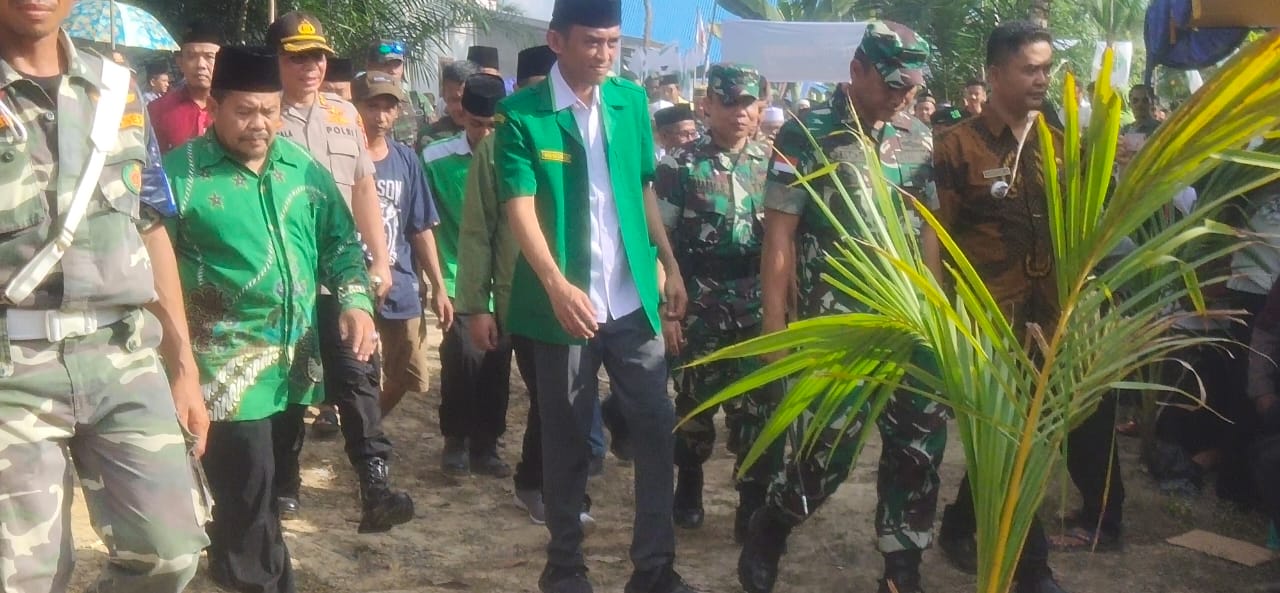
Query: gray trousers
x,y
635,359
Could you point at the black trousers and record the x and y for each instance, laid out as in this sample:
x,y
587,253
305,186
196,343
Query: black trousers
x,y
960,520
568,389
349,383
475,387
1091,455
246,548
528,474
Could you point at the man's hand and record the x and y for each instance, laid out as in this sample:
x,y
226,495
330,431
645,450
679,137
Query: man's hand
x,y
484,332
573,309
358,333
673,336
188,400
381,287
675,299
443,308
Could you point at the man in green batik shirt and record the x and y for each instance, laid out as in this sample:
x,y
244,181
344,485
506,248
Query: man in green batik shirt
x,y
711,192
886,69
260,227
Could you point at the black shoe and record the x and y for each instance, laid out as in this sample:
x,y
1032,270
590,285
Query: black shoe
x,y
902,569
1042,584
564,579
289,507
326,425
751,498
381,508
658,580
687,509
486,462
961,552
454,458
766,542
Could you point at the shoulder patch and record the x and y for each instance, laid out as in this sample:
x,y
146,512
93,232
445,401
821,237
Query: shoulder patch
x,y
131,120
132,176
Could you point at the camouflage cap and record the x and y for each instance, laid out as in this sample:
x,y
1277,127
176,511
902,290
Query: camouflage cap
x,y
898,54
729,82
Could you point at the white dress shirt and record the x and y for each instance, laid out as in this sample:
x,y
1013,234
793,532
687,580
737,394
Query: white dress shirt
x,y
613,291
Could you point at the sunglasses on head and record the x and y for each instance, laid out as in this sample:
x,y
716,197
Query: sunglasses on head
x,y
392,47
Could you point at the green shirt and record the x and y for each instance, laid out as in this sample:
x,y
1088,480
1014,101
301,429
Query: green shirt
x,y
539,152
487,250
447,162
252,251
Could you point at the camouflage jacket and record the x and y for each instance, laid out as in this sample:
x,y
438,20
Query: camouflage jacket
x,y
44,144
906,155
712,204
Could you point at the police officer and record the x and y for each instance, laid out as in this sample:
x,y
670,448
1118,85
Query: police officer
x,y
331,131
711,192
886,69
82,321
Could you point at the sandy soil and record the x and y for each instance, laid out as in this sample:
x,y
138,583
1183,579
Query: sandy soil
x,y
470,537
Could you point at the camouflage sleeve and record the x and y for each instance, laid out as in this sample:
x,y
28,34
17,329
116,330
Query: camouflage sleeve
x,y
790,151
667,186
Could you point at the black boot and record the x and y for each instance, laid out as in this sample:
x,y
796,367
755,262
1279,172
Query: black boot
x,y
902,569
454,458
751,498
763,549
381,507
959,547
687,509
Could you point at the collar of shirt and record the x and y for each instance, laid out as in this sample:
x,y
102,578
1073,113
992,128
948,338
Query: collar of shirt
x,y
564,96
212,153
76,67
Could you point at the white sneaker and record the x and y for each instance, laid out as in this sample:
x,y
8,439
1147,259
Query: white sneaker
x,y
588,522
530,501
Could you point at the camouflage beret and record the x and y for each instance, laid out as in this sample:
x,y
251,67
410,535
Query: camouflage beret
x,y
729,82
898,54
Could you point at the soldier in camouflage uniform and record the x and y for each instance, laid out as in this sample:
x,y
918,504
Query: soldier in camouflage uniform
x,y
80,374
387,56
886,69
711,192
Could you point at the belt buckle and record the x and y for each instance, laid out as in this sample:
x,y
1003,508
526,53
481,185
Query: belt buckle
x,y
60,325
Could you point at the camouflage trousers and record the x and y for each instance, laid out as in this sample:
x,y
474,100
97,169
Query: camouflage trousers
x,y
745,417
102,402
913,430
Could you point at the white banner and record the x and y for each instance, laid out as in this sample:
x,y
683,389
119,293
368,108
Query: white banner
x,y
793,52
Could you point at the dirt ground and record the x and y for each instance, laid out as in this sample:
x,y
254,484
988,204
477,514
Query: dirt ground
x,y
469,537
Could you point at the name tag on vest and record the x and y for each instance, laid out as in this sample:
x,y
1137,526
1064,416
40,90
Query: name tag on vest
x,y
556,156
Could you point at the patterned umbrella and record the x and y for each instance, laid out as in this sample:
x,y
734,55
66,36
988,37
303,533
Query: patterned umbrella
x,y
108,21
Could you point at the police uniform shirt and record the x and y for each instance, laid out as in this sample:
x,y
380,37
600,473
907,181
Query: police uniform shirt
x,y
331,131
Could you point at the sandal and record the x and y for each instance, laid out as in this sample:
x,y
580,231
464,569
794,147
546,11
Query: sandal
x,y
1079,539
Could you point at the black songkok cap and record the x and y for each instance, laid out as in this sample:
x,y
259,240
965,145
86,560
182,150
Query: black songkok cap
x,y
596,14
246,69
200,32
483,56
340,70
481,93
671,115
535,61
669,79
157,68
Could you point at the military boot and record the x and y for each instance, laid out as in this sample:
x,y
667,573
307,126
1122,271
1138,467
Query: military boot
x,y
687,509
751,498
901,572
766,543
381,507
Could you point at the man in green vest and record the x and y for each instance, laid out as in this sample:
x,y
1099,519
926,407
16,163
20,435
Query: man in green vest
x,y
574,160
474,383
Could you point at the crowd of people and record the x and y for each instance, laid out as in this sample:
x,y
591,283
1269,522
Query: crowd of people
x,y
266,236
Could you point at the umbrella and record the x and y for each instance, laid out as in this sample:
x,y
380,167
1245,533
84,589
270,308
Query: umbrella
x,y
113,23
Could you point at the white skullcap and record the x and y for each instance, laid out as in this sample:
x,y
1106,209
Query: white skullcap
x,y
774,115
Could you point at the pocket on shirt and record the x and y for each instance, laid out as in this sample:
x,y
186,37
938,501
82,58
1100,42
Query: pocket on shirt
x,y
343,153
22,199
